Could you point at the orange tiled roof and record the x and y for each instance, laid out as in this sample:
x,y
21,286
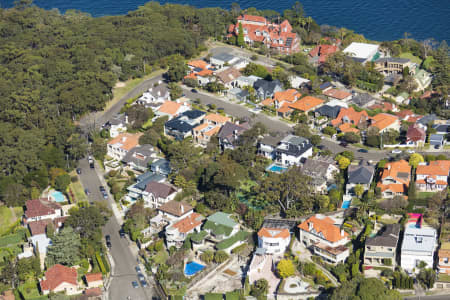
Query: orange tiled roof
x,y
252,18
58,274
190,222
381,121
198,64
289,95
351,114
323,51
201,126
347,127
437,168
325,226
127,140
394,187
191,76
205,72
285,108
274,233
267,102
386,106
170,108
92,277
217,118
393,169
337,94
307,103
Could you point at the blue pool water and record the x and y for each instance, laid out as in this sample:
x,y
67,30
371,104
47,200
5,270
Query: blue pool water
x,y
275,168
346,204
192,268
58,196
413,225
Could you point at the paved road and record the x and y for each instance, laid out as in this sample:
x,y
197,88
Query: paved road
x,y
124,261
435,297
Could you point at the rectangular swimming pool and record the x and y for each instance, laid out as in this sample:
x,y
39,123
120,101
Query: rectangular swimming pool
x,y
276,168
346,204
192,268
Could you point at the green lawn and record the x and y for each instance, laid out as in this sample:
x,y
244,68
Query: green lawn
x,y
410,56
444,277
29,290
161,257
78,191
424,195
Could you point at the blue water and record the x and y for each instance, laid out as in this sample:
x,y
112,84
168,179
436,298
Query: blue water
x,y
414,225
276,169
192,268
377,20
58,196
346,204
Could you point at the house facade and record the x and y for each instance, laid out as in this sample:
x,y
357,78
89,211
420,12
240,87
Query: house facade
x,y
380,250
433,176
292,149
394,65
177,232
361,174
266,89
154,96
273,240
418,246
444,261
416,135
324,238
41,209
119,146
158,193
229,134
60,279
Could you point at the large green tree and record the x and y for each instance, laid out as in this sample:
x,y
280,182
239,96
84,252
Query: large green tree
x,y
65,248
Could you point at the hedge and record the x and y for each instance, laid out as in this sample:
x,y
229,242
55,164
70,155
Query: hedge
x,y
13,239
213,296
232,296
240,236
238,249
102,263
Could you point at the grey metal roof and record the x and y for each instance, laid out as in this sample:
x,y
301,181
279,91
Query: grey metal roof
x,y
329,111
225,57
294,145
392,59
442,127
387,238
140,155
271,140
436,139
361,174
427,119
146,178
362,99
193,114
325,85
267,86
419,239
315,168
228,129
279,224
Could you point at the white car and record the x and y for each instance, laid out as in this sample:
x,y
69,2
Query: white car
x,y
410,151
396,151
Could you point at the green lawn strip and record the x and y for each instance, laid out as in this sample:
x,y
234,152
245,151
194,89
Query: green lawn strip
x,y
411,57
13,238
6,218
78,191
443,278
29,290
232,296
213,296
240,236
424,195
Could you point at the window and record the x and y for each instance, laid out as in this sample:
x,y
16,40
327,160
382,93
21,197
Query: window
x,y
445,260
390,249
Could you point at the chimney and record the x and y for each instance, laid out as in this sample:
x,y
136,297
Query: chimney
x,y
126,119
342,232
310,225
124,139
182,208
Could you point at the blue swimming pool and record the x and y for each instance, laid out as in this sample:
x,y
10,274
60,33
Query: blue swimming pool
x,y
276,168
346,204
192,268
414,225
58,196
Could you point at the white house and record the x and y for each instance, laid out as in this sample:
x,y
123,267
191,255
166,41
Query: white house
x,y
119,146
177,232
118,125
155,95
418,246
243,81
433,176
292,149
274,240
41,209
157,194
221,59
362,52
298,82
325,238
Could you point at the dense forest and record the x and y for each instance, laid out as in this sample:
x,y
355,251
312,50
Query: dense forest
x,y
55,67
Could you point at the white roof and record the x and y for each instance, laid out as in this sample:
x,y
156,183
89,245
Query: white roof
x,y
361,50
337,103
419,239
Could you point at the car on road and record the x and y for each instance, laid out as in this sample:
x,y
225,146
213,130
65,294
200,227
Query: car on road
x,y
101,188
105,195
141,277
138,269
135,284
410,151
108,241
91,165
144,283
194,91
78,171
87,192
122,233
343,144
363,150
396,151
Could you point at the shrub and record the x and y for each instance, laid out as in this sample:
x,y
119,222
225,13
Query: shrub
x,y
74,179
220,257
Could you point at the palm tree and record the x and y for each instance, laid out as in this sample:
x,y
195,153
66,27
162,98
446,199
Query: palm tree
x,y
309,21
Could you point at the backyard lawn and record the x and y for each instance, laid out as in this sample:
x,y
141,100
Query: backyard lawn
x,y
410,56
424,195
78,191
7,218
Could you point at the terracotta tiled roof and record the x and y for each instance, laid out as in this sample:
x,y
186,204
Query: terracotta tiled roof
x,y
323,51
408,115
274,233
126,140
347,127
170,108
289,95
39,227
307,103
351,114
189,223
252,18
385,106
415,133
198,64
443,253
324,226
337,94
58,274
284,108
381,121
175,208
93,292
437,168
229,75
216,118
92,277
201,127
399,170
40,207
267,102
439,182
394,187
204,73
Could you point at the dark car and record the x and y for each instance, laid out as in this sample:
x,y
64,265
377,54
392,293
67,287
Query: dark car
x,y
343,144
108,241
91,165
363,150
321,147
102,188
122,233
135,284
144,283
138,269
194,91
86,191
78,171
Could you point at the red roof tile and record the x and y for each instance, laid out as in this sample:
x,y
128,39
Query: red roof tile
x,y
325,226
58,274
189,223
274,233
40,207
92,277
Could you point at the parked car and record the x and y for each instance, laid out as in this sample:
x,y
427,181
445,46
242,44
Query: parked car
x,y
105,195
91,165
194,91
144,283
396,151
108,241
410,151
135,284
122,232
141,277
363,150
87,192
78,171
101,188
343,144
138,269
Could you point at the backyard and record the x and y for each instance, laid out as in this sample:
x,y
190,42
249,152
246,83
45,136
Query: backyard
x,y
410,56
